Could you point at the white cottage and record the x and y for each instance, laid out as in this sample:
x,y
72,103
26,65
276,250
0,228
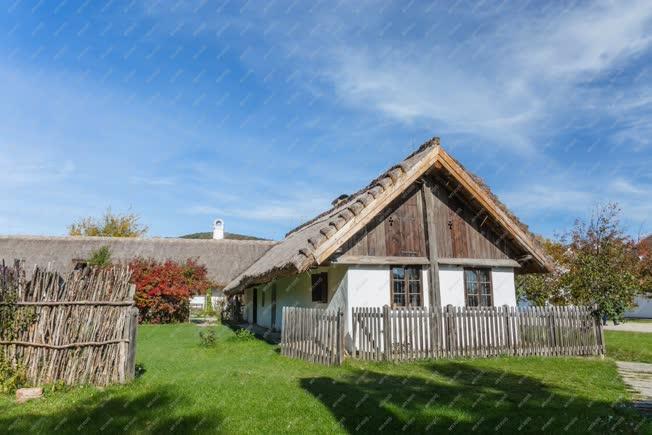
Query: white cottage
x,y
424,233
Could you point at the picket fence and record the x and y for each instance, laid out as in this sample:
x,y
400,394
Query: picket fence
x,y
313,335
416,333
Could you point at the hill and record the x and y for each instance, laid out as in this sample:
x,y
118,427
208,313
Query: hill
x,y
228,236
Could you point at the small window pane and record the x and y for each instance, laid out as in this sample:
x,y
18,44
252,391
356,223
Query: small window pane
x,y
477,285
406,286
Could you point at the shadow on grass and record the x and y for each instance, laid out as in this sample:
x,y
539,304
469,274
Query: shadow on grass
x,y
462,399
155,411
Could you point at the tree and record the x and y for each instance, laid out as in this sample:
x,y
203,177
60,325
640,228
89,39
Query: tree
x,y
596,263
540,288
109,225
163,290
100,257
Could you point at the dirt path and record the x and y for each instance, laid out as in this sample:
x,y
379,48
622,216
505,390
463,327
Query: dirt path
x,y
638,377
631,327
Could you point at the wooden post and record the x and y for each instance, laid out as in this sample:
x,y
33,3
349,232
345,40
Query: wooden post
x,y
130,360
602,350
340,337
387,334
431,238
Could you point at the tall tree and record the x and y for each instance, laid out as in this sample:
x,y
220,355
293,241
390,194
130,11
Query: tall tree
x,y
604,266
109,225
596,263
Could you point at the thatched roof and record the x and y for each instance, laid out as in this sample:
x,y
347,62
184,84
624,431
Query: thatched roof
x,y
224,259
309,244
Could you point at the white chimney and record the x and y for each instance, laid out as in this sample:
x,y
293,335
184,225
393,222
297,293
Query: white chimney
x,y
218,229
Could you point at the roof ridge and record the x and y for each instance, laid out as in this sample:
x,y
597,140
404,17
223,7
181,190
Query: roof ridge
x,y
134,239
353,198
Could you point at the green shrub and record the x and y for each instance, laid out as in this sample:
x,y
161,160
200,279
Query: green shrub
x,y
100,257
244,335
207,338
11,378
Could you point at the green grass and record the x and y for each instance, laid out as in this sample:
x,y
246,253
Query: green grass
x,y
629,346
247,387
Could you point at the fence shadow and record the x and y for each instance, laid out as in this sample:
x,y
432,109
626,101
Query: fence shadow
x,y
461,399
153,411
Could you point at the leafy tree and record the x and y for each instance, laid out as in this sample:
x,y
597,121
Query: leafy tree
x,y
100,257
163,290
645,270
109,225
540,288
596,263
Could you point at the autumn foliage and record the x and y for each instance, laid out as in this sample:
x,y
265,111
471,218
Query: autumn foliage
x,y
163,289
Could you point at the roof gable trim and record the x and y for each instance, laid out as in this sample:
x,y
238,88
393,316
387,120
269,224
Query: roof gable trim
x,y
350,228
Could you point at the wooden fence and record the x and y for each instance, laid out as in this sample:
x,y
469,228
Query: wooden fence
x,y
313,335
81,330
416,333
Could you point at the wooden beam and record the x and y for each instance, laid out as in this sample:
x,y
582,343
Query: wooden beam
x,y
431,238
366,259
354,225
480,262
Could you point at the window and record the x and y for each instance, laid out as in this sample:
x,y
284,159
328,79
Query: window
x,y
477,288
262,299
320,287
406,286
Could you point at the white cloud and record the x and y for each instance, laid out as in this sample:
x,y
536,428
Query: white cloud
x,y
585,40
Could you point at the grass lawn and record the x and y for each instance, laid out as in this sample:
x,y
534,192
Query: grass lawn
x,y
247,387
629,346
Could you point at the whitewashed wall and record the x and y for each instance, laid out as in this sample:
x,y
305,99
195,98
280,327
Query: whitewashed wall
x,y
451,285
296,291
367,286
643,310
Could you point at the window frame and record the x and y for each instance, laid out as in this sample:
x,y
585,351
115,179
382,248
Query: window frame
x,y
406,283
479,294
313,285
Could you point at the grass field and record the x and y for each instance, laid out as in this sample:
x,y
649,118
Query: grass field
x,y
629,346
247,387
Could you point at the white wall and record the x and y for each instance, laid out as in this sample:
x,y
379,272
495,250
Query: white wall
x,y
644,309
502,279
451,285
295,291
367,286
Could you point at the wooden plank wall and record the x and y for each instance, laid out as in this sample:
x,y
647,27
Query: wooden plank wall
x,y
396,232
418,333
460,232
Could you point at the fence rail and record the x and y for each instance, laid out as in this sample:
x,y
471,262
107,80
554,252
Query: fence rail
x,y
314,335
82,329
416,333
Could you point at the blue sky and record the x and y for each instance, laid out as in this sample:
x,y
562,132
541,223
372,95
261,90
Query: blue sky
x,y
183,111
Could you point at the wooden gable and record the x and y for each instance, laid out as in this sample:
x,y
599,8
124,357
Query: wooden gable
x,y
400,230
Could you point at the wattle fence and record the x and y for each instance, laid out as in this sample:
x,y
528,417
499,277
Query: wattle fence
x,y
313,335
384,334
77,330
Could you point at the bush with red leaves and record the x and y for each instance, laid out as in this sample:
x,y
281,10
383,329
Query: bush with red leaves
x,y
163,290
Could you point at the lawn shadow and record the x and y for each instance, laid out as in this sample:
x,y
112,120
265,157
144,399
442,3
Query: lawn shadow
x,y
458,398
155,411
